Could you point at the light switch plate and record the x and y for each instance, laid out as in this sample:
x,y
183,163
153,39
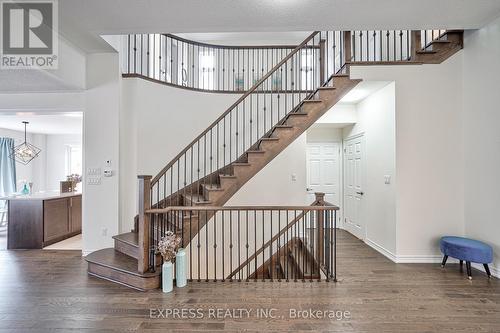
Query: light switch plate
x,y
387,179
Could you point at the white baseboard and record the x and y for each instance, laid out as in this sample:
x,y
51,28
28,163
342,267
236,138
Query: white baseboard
x,y
423,259
391,256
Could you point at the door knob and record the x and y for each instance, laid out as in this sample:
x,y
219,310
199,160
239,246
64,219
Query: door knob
x,y
360,193
309,189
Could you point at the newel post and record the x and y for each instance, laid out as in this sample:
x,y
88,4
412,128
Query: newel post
x,y
415,44
322,61
320,201
347,49
144,205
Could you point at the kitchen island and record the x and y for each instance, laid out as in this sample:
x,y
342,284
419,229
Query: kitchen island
x,y
41,219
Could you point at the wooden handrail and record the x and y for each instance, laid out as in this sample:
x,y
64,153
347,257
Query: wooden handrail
x,y
251,90
217,46
229,208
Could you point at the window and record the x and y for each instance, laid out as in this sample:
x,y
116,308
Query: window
x,y
206,70
307,67
73,160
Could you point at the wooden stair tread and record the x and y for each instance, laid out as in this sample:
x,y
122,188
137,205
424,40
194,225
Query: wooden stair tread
x,y
437,41
426,52
240,164
131,238
283,126
256,151
312,101
117,261
269,139
327,88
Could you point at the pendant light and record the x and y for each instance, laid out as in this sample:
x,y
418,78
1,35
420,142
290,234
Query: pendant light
x,y
25,152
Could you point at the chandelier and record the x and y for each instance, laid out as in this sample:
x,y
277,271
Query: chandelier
x,y
25,152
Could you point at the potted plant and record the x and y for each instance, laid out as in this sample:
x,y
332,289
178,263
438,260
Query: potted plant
x,y
168,246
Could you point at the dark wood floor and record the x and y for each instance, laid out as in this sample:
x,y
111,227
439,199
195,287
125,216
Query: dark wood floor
x,y
49,291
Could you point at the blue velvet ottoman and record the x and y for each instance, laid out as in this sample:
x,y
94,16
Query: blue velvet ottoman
x,y
468,250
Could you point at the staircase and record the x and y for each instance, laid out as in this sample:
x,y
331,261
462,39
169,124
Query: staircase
x,y
279,107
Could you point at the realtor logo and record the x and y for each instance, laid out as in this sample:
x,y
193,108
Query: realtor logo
x,y
29,34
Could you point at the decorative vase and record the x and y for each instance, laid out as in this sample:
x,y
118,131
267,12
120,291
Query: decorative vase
x,y
167,270
25,190
180,268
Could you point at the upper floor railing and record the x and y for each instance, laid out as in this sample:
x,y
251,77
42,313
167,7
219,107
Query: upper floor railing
x,y
193,65
218,68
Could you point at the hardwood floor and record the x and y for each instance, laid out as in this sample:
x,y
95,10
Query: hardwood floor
x,y
49,291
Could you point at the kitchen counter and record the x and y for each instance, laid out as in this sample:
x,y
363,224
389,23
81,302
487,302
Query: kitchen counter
x,y
41,219
41,196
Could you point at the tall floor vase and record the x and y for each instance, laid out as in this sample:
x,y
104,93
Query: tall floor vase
x,y
180,269
167,277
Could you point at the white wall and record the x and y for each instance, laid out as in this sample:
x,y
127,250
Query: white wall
x,y
376,121
273,185
101,143
481,100
429,155
157,122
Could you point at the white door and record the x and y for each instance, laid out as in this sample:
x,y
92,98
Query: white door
x,y
353,186
323,171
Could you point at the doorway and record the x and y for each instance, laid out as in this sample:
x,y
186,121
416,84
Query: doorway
x,y
354,179
323,171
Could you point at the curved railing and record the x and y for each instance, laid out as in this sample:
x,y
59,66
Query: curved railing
x,y
173,60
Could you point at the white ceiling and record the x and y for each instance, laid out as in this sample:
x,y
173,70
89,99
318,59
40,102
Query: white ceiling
x,y
83,21
362,90
22,80
69,123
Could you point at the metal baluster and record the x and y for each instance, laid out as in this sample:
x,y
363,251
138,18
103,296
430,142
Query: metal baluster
x,y
231,243
223,246
215,246
247,246
271,245
190,246
239,247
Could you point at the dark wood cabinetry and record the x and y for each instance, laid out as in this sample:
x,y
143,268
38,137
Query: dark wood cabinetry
x,y
37,222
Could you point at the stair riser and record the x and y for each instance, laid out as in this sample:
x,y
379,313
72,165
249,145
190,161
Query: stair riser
x,y
326,94
213,196
128,249
240,171
227,182
279,132
256,158
455,37
128,280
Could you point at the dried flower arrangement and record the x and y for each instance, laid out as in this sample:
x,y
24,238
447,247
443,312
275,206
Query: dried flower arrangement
x,y
168,246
